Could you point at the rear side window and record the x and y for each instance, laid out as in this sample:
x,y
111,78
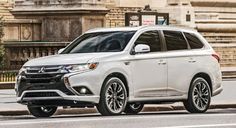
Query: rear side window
x,y
193,41
150,38
175,40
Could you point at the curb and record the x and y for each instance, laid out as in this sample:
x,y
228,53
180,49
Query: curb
x,y
7,85
72,111
14,113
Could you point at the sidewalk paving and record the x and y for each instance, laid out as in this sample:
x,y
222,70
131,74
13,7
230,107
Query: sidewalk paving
x,y
227,99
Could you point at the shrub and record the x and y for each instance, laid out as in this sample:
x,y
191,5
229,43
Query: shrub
x,y
2,53
2,50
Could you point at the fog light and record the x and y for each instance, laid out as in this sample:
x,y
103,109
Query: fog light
x,y
83,90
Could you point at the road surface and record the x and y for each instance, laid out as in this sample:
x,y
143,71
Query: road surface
x,y
172,119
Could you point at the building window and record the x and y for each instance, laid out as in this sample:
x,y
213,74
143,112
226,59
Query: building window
x,y
188,17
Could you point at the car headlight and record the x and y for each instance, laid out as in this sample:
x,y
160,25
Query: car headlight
x,y
81,67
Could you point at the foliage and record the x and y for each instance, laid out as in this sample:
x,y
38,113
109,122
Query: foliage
x,y
1,28
2,50
2,53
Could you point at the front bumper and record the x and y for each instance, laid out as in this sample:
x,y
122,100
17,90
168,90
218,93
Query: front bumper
x,y
34,86
56,95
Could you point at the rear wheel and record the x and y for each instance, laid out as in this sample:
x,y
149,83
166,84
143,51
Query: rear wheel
x,y
42,111
199,96
133,108
113,97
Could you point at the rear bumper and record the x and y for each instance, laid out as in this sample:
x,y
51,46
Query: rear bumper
x,y
217,91
25,99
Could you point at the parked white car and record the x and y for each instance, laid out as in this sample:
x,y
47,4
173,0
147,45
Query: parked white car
x,y
121,69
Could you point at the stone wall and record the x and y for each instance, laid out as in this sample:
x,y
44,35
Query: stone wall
x,y
62,20
56,5
227,54
61,28
116,16
22,30
216,20
19,53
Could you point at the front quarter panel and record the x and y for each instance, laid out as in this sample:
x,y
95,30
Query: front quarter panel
x,y
94,79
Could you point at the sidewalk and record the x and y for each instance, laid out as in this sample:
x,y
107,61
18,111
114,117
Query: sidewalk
x,y
227,99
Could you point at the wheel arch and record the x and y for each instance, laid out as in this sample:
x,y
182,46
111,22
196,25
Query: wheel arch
x,y
204,76
121,76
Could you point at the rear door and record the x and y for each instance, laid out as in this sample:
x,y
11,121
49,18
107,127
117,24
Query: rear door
x,y
181,63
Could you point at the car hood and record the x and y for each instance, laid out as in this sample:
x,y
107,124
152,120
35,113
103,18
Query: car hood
x,y
65,59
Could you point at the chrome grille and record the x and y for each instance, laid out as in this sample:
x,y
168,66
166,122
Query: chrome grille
x,y
44,74
43,78
44,69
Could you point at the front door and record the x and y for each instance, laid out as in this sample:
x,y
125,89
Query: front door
x,y
149,70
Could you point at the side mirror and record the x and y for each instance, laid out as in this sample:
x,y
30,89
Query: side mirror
x,y
142,48
60,50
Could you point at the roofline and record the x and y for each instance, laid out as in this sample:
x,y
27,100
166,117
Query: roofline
x,y
161,27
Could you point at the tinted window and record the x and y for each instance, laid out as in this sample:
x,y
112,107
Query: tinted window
x,y
193,41
175,40
100,42
150,38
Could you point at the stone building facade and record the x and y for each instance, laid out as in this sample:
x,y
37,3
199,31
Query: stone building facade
x,y
41,27
57,20
37,28
214,19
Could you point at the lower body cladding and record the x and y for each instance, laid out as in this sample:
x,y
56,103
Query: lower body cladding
x,y
55,98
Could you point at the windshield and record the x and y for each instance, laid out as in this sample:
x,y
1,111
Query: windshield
x,y
100,42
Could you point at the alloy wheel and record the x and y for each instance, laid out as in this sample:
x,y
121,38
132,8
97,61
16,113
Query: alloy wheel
x,y
115,97
201,95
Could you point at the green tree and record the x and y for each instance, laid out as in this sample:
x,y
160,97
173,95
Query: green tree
x,y
2,50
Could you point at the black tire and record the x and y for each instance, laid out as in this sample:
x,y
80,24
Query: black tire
x,y
42,111
133,108
199,96
109,100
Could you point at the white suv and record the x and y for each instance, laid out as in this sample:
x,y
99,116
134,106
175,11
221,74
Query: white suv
x,y
121,69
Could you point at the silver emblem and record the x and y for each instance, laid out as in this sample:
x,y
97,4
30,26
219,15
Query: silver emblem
x,y
42,70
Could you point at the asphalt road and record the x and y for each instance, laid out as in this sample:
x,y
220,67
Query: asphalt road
x,y
172,119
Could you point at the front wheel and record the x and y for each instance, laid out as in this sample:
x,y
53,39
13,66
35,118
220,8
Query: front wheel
x,y
199,96
113,97
42,111
133,108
